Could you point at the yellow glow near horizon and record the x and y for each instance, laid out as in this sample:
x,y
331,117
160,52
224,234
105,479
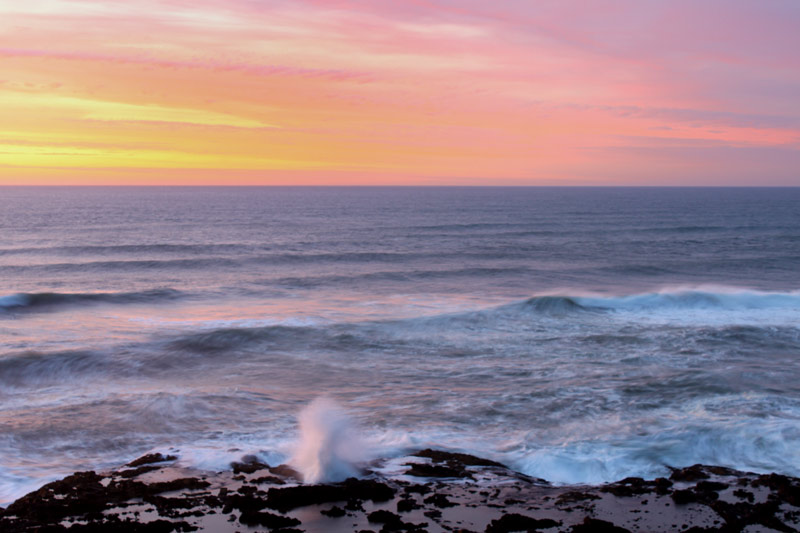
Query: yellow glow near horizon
x,y
385,93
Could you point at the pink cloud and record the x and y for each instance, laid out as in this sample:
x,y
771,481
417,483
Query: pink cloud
x,y
457,85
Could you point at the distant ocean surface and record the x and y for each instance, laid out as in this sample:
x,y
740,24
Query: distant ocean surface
x,y
579,335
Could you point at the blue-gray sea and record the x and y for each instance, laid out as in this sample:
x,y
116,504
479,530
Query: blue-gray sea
x,y
579,335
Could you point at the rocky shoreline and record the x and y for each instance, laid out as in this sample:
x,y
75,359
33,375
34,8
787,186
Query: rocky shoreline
x,y
434,491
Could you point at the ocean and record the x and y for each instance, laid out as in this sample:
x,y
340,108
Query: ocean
x,y
579,335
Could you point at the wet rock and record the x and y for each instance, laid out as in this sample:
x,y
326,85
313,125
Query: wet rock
x,y
286,471
333,512
127,474
630,486
249,465
383,517
710,486
684,496
690,473
151,458
272,480
784,489
439,500
392,522
407,504
434,470
75,495
662,485
116,525
186,483
286,499
593,525
267,519
575,496
518,522
722,471
246,489
354,505
447,464
417,489
439,456
739,515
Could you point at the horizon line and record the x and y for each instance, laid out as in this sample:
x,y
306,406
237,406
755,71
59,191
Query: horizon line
x,y
346,186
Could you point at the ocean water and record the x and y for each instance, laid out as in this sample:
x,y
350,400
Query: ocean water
x,y
577,334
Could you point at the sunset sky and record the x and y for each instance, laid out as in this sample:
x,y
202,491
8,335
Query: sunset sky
x,y
439,92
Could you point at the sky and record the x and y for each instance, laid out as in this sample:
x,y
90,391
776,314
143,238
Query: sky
x,y
414,92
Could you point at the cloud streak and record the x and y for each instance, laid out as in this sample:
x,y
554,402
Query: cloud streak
x,y
427,91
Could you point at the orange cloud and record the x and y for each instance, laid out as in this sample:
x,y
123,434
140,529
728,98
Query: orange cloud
x,y
429,92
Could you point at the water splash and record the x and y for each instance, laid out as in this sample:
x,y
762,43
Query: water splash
x,y
330,448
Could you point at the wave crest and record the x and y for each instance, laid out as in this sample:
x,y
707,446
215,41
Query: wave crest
x,y
734,299
39,301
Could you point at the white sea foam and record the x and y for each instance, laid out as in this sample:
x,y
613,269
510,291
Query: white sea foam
x,y
330,447
214,458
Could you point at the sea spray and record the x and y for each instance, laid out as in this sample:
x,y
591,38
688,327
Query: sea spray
x,y
330,447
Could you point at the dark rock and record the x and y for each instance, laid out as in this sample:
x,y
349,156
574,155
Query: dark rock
x,y
636,486
383,517
116,525
745,495
407,504
685,496
186,483
272,480
447,464
722,471
662,485
630,486
333,512
518,522
127,474
354,505
785,489
286,499
246,489
75,495
710,486
439,456
248,467
593,525
286,471
690,473
417,489
83,495
266,519
392,522
434,470
575,496
439,500
739,515
151,458
244,503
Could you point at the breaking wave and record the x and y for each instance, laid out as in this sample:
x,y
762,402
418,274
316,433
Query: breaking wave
x,y
560,306
727,299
